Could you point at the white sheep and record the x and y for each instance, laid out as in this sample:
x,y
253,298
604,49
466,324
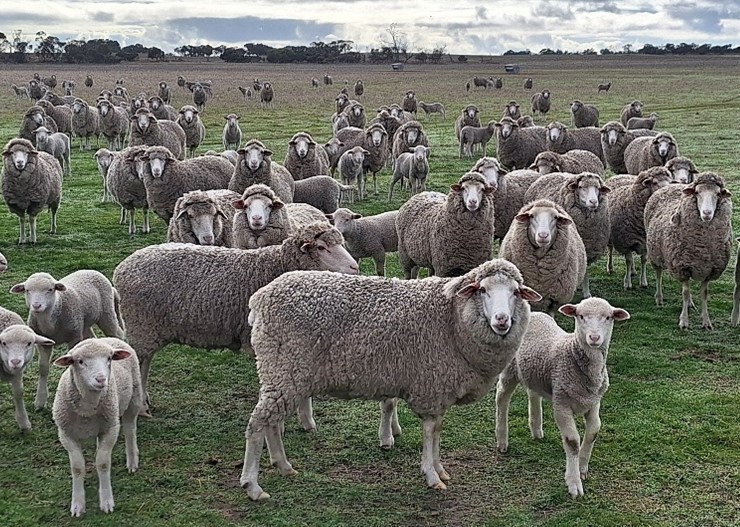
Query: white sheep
x,y
232,134
57,144
371,236
104,158
470,136
350,169
411,167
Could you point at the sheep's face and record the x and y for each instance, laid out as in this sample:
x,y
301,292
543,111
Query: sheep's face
x,y
707,197
328,254
664,145
471,111
420,154
140,165
513,108
162,85
542,226
612,135
143,122
505,129
104,108
396,111
412,135
376,136
91,362
253,157
357,110
204,220
472,194
301,145
40,290
189,114
157,165
357,155
588,191
594,318
545,166
575,106
554,131
343,219
546,94
258,210
37,118
19,157
42,134
138,103
333,146
16,347
104,159
681,173
637,108
232,121
491,172
155,103
78,106
119,91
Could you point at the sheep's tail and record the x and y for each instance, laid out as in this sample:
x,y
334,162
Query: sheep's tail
x,y
117,308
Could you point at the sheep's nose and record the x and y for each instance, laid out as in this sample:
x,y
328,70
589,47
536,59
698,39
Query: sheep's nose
x,y
501,318
594,339
543,235
707,214
256,217
36,305
15,363
208,239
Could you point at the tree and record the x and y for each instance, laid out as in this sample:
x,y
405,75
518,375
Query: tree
x,y
437,54
606,51
589,51
155,53
462,58
48,47
627,48
397,42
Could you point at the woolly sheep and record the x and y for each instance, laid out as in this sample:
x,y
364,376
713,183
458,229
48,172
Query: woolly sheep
x,y
203,218
697,216
573,161
232,134
314,82
323,192
266,95
367,237
544,244
518,147
512,110
468,117
525,121
161,110
350,169
472,327
430,108
199,97
449,234
409,135
409,102
682,169
305,158
246,92
633,109
614,140
89,81
604,88
570,370
390,123
165,93
541,103
646,152
114,124
482,82
85,122
65,311
62,115
341,121
146,129
560,139
359,88
584,115
355,114
328,80
104,158
195,131
34,117
528,83
216,277
35,90
181,81
334,149
126,186
255,166
55,144
411,166
474,135
31,181
647,123
20,92
341,101
98,394
374,139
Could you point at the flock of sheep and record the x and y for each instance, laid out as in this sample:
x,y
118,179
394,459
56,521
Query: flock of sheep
x,y
256,237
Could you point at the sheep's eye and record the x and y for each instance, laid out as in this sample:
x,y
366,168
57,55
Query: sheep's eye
x,y
482,290
322,248
580,317
79,361
608,317
51,289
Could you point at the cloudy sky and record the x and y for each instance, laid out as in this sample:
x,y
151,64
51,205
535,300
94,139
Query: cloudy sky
x,y
471,26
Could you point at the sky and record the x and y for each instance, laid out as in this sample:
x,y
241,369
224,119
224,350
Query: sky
x,y
473,27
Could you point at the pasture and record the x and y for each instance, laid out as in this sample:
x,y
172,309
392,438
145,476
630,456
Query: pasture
x,y
669,450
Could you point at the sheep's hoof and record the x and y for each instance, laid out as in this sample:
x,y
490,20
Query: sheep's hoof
x,y
707,325
444,475
439,486
144,412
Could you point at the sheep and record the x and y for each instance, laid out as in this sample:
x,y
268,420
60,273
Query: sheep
x,y
355,113
689,234
614,140
430,108
124,181
334,149
255,165
58,101
161,110
323,192
359,88
573,162
246,92
528,83
541,103
104,158
518,147
646,152
199,97
266,95
114,124
633,109
390,123
525,121
232,134
122,93
341,121
627,223
367,237
98,394
35,91
203,218
584,198
498,83
409,102
473,135
328,81
482,82
472,327
544,244
167,178
62,115
449,234
165,93
195,131
89,81
51,82
181,81
341,101
34,117
682,169
647,123
20,92
467,86
314,82
604,88
561,139
31,181
570,370
65,311
56,144
350,168
146,129
468,117
411,166
85,122
305,158
583,115
409,135
512,110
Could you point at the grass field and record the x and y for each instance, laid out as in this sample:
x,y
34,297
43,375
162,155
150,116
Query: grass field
x,y
669,450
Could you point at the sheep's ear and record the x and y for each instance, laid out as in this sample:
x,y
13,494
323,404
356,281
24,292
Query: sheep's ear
x,y
620,314
64,361
266,152
226,117
365,152
569,310
689,191
241,151
120,354
356,216
528,294
562,221
724,193
329,218
468,290
488,189
306,247
18,288
522,218
220,212
180,214
502,170
43,341
456,187
676,219
604,189
573,185
238,204
58,286
533,166
144,157
277,204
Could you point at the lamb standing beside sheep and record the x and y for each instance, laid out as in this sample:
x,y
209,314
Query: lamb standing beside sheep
x,y
412,166
255,165
646,152
203,218
584,115
323,192
350,169
473,135
614,140
431,108
468,117
633,109
126,186
57,145
647,123
104,158
34,117
367,237
374,139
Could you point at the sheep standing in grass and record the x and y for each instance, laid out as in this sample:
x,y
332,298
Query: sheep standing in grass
x,y
604,88
232,134
199,97
367,237
646,152
408,136
165,93
474,135
350,169
124,182
104,158
85,122
561,139
341,121
195,131
305,158
323,192
472,327
35,91
55,144
570,370
411,166
374,139
355,114
528,83
512,110
114,124
20,92
62,115
146,129
541,103
633,109
34,117
409,102
614,140
203,218
430,108
255,166
161,110
334,149
518,147
647,123
573,162
584,115
682,169
98,394
359,88
468,117
267,94
31,181
697,216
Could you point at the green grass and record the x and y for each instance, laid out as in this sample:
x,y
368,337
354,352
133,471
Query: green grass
x,y
669,451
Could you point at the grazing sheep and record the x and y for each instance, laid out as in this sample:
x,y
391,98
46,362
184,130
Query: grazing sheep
x,y
528,82
482,82
232,134
334,149
20,93
195,131
56,144
573,162
430,108
633,109
355,113
314,82
146,129
512,110
367,237
34,117
474,135
697,216
541,103
323,192
647,123
545,246
472,327
161,110
125,184
570,370
104,158
350,168
411,166
31,181
255,166
682,169
98,394
62,115
518,147
220,281
305,158
468,117
646,152
604,88
199,97
627,220
266,95
114,124
561,139
85,122
409,102
614,140
165,93
65,311
583,115
450,235
408,136
203,218
359,88
328,81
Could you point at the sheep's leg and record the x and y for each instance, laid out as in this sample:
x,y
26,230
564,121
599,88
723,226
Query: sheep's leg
x,y
441,472
251,468
704,294
42,391
145,362
643,271
375,183
305,415
277,451
106,442
735,319
628,258
504,391
21,417
146,229
535,414
22,223
128,425
132,221
429,426
379,260
389,427
53,213
571,444
77,467
683,320
32,224
658,285
586,290
593,425
122,218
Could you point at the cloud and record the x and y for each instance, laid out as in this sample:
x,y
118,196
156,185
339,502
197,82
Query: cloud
x,y
251,29
481,13
701,17
102,16
549,9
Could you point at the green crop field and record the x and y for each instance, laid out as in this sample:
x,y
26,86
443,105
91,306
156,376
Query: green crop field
x,y
669,450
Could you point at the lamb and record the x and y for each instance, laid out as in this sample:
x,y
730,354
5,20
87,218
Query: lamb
x,y
374,139
34,117
305,158
584,198
199,97
473,135
62,115
146,129
561,140
682,169
165,93
468,117
114,124
323,192
544,244
350,168
104,158
20,92
633,109
604,88
85,122
541,103
409,102
126,186
518,147
355,113
368,237
573,162
195,131
246,92
65,311
409,135
528,83
203,218
449,234
334,149
31,181
647,123
472,327
646,152
232,134
56,144
430,108
627,223
584,115
512,110
161,110
570,370
359,88
614,140
697,216
166,178
98,394
412,166
266,95
255,165
233,275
